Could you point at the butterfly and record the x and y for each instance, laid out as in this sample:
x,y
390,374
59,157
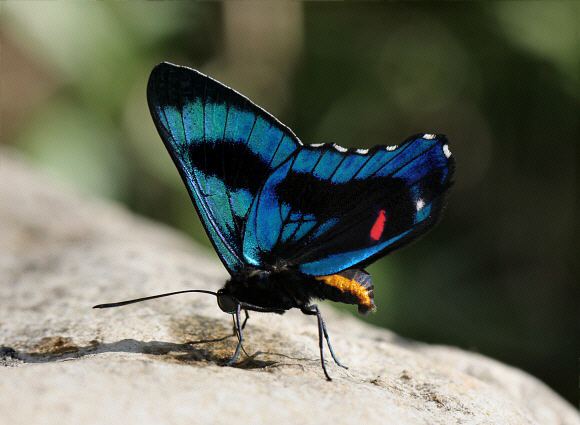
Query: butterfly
x,y
292,223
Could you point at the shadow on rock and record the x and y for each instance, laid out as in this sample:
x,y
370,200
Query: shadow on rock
x,y
206,348
52,349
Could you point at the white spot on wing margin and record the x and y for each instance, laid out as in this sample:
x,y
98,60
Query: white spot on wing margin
x,y
420,204
446,151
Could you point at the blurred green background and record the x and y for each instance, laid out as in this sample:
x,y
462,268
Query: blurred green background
x,y
499,275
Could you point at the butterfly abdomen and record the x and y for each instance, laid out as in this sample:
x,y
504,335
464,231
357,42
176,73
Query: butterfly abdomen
x,y
350,287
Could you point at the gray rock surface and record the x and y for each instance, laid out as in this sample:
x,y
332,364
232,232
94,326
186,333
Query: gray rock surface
x,y
154,362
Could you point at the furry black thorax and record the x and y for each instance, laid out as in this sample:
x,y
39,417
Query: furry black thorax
x,y
276,290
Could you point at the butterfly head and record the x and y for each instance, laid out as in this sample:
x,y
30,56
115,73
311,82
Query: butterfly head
x,y
226,302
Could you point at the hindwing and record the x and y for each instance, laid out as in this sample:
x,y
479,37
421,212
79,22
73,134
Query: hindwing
x,y
326,209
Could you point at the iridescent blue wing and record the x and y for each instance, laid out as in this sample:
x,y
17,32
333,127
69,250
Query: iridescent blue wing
x,y
223,145
326,209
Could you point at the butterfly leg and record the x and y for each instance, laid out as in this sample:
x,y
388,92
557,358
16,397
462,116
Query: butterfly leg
x,y
234,329
313,311
246,319
328,339
236,315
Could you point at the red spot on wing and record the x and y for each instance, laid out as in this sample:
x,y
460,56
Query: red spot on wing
x,y
379,226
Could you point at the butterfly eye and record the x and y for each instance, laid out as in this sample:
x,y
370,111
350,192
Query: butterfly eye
x,y
226,303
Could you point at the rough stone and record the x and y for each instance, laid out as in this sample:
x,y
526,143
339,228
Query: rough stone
x,y
62,362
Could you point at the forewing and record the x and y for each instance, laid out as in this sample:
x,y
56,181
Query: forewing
x,y
223,145
326,209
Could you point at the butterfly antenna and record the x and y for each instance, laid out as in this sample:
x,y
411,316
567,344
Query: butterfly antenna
x,y
138,300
